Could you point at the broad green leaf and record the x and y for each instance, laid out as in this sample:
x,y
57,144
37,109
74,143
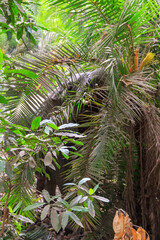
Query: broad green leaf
x,y
57,140
80,209
83,199
3,100
23,72
2,130
45,212
90,191
101,198
55,220
30,36
46,195
66,204
48,159
2,166
35,123
19,32
64,150
78,142
83,181
66,156
84,188
91,208
33,206
52,125
76,219
16,131
64,219
75,200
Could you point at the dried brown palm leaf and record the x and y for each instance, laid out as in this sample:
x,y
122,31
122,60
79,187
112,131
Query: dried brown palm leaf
x,y
123,228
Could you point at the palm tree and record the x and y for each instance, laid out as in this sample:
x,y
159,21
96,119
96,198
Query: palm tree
x,y
108,82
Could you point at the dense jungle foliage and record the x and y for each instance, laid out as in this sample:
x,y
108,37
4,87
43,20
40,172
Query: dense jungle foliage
x,y
79,119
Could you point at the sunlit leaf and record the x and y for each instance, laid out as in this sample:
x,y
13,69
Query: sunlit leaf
x,y
24,72
69,125
33,206
75,200
52,126
64,220
48,159
100,198
80,209
55,220
76,219
90,191
35,123
3,99
83,181
45,212
46,195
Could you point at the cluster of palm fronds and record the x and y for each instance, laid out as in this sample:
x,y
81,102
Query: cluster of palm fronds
x,y
109,85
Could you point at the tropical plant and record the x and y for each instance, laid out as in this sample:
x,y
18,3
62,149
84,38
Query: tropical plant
x,y
19,162
117,103
61,209
18,29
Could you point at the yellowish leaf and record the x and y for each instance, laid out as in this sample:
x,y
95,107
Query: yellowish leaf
x,y
149,57
118,224
38,87
142,232
134,234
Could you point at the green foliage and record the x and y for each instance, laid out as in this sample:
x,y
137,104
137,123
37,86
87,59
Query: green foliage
x,y
78,199
115,38
18,163
15,20
35,123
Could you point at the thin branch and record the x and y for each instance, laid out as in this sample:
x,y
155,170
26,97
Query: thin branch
x,y
25,43
6,211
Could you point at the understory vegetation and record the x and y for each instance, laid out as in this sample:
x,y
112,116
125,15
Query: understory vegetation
x,y
79,119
